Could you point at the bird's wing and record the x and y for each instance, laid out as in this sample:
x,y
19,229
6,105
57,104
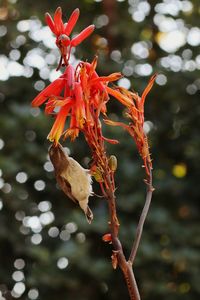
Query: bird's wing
x,y
65,187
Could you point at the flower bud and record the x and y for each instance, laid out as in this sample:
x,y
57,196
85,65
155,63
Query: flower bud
x,y
112,162
107,238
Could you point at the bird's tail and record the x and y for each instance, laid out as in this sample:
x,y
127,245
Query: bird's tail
x,y
89,215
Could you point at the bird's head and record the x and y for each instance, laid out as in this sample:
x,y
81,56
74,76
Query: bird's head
x,y
58,156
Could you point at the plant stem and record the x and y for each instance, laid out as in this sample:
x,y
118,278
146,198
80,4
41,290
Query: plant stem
x,y
124,265
100,159
142,218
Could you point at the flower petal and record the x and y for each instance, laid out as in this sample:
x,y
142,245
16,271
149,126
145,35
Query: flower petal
x,y
94,63
59,26
119,96
148,88
109,78
69,76
72,21
53,103
114,123
54,89
50,22
79,105
59,124
82,36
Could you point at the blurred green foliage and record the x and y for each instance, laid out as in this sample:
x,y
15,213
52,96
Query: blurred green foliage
x,y
47,250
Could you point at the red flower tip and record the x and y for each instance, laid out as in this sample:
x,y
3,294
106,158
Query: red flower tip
x,y
62,32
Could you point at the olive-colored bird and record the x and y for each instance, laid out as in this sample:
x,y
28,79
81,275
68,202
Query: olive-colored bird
x,y
73,179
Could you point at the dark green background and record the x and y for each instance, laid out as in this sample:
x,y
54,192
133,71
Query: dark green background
x,y
167,265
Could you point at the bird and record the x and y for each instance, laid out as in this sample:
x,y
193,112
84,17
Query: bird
x,y
72,178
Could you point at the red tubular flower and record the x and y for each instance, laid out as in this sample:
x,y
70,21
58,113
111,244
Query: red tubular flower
x,y
62,32
79,94
79,105
94,86
82,36
59,26
72,21
54,89
59,124
69,77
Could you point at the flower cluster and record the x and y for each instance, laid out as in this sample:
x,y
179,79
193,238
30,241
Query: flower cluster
x,y
80,94
135,113
62,32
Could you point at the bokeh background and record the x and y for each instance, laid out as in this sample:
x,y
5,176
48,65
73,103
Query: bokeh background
x,y
47,250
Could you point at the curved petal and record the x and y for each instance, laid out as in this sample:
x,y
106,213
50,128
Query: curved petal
x,y
148,88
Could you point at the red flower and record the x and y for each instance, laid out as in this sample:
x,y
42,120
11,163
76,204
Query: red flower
x,y
62,32
53,90
80,95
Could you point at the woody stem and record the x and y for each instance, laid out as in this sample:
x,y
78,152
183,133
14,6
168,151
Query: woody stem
x,y
124,265
142,218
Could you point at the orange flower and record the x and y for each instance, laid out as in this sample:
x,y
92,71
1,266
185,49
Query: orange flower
x,y
135,112
79,94
62,32
94,86
59,124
